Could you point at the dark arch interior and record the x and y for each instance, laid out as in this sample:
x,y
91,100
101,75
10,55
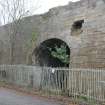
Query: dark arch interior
x,y
43,54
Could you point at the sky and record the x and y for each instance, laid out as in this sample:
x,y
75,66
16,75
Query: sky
x,y
42,6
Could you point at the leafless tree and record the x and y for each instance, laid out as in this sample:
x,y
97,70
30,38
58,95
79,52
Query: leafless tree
x,y
12,12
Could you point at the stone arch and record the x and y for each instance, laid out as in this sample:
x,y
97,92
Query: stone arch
x,y
66,40
42,53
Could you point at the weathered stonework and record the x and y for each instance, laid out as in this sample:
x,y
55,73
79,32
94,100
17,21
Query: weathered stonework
x,y
87,49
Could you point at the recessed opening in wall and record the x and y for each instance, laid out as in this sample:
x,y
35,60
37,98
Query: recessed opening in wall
x,y
53,53
77,27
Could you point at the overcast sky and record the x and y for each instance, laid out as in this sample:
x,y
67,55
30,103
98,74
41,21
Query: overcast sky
x,y
45,5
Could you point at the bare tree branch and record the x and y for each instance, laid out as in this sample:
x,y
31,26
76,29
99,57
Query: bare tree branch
x,y
12,12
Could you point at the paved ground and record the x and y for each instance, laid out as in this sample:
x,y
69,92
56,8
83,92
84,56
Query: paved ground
x,y
10,97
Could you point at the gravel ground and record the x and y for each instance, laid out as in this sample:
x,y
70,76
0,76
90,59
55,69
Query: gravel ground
x,y
11,97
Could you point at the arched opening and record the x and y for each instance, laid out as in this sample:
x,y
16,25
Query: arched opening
x,y
53,53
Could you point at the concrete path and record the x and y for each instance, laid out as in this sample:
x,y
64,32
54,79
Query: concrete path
x,y
10,97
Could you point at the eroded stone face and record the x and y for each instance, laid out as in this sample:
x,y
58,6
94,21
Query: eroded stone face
x,y
87,45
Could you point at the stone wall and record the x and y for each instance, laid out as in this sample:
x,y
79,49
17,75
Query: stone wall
x,y
87,43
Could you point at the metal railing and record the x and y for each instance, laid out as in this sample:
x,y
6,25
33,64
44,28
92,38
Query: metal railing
x,y
80,84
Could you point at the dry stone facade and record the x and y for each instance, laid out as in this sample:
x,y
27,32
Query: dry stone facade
x,y
81,25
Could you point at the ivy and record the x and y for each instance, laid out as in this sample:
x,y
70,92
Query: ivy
x,y
60,53
34,36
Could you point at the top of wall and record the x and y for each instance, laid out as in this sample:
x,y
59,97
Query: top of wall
x,y
72,7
